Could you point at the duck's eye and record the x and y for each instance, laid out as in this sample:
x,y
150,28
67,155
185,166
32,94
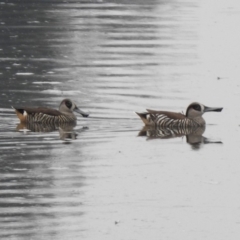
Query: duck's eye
x,y
68,104
196,107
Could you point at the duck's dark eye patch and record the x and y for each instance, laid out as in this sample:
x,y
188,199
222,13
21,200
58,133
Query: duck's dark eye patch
x,y
68,104
196,107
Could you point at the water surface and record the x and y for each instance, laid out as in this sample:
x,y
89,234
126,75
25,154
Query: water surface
x,y
113,58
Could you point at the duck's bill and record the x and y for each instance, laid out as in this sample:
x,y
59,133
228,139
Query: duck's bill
x,y
212,109
84,114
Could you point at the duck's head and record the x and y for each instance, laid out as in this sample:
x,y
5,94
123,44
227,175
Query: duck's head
x,y
68,106
196,109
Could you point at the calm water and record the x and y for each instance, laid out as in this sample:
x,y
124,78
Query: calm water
x,y
105,181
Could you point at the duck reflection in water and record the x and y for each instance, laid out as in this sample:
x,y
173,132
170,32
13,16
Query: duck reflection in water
x,y
66,130
193,135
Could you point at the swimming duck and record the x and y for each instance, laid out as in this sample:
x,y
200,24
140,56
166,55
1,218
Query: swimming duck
x,y
47,115
165,119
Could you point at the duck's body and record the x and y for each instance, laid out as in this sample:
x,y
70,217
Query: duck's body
x,y
49,116
165,119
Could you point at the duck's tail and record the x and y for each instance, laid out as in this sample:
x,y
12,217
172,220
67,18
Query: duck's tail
x,y
20,113
143,117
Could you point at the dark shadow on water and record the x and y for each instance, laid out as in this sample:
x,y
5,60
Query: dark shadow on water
x,y
194,136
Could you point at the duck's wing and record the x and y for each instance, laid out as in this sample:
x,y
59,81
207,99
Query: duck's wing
x,y
44,110
151,117
22,113
172,115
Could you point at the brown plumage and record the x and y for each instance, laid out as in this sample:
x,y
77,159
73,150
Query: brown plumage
x,y
48,115
165,119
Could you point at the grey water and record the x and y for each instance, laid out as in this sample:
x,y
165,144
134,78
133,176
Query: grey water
x,y
107,180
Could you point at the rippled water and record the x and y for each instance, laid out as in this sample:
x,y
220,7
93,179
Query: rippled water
x,y
107,179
